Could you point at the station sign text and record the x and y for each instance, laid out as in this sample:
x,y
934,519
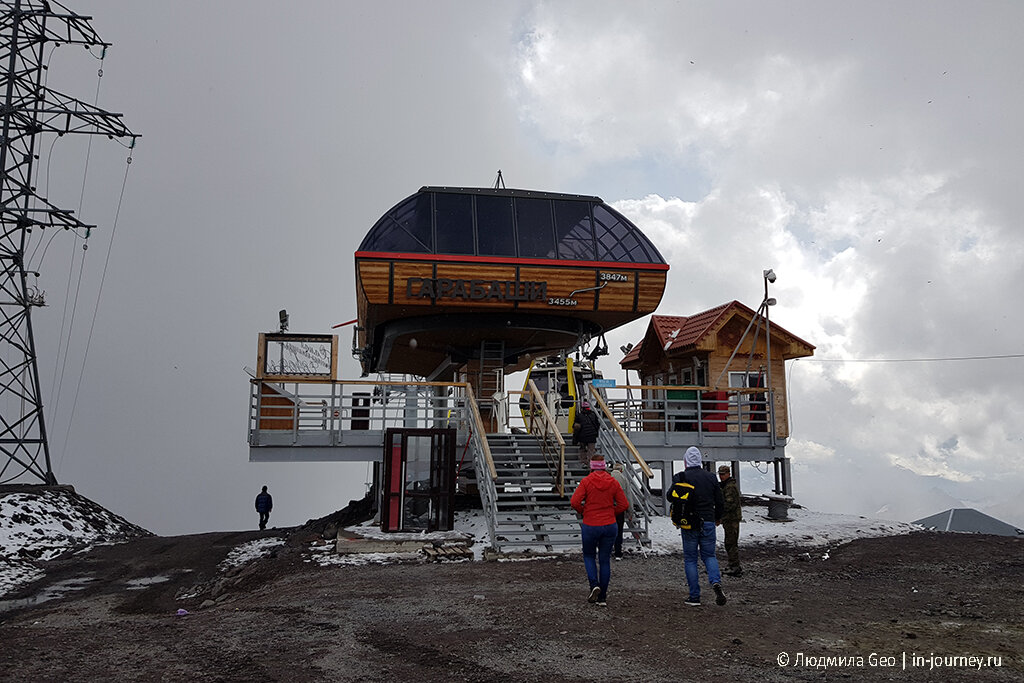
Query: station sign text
x,y
475,290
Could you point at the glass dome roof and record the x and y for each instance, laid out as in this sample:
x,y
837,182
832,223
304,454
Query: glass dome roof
x,y
518,224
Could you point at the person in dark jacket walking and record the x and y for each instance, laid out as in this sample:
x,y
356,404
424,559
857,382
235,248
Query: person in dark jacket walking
x,y
700,542
731,519
585,431
598,498
264,504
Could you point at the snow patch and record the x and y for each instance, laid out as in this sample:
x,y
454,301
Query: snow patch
x,y
247,552
44,524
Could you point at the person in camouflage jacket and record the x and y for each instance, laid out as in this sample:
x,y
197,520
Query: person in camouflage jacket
x,y
731,519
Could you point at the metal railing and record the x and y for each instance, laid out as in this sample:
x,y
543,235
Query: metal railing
x,y
617,448
743,413
341,407
541,424
483,461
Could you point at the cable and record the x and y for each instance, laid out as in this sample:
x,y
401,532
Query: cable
x,y
85,247
54,391
71,325
95,311
908,360
64,324
948,359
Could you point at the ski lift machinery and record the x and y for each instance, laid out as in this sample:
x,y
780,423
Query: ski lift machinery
x,y
568,379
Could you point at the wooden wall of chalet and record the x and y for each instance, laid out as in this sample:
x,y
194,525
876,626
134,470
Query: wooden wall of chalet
x,y
272,417
717,362
714,355
726,341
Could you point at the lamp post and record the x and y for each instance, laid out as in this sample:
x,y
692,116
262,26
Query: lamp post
x,y
769,276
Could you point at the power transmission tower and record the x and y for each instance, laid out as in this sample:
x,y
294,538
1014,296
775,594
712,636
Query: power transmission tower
x,y
29,109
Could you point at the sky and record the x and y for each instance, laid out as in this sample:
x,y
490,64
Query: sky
x,y
867,152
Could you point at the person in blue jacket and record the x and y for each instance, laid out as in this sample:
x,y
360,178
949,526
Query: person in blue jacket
x,y
264,504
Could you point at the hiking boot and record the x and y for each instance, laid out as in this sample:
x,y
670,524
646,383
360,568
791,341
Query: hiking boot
x,y
733,571
693,602
719,594
595,593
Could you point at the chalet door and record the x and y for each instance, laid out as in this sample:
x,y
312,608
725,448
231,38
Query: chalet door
x,y
419,480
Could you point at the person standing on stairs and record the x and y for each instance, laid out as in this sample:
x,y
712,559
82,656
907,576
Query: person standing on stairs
x,y
584,432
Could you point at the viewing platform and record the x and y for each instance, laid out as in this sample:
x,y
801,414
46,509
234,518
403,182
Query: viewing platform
x,y
347,420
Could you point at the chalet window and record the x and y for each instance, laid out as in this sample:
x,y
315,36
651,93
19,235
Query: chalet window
x,y
746,380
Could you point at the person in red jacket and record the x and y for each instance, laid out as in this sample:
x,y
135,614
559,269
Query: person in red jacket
x,y
598,498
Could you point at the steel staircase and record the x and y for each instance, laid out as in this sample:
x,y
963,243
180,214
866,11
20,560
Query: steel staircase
x,y
527,511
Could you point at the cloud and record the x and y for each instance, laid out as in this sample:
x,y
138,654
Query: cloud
x,y
885,217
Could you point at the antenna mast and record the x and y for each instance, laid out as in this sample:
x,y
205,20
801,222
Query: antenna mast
x,y
29,109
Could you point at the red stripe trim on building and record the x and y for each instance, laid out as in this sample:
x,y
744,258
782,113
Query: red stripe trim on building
x,y
504,260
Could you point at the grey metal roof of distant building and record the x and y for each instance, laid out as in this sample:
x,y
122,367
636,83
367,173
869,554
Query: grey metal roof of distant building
x,y
969,520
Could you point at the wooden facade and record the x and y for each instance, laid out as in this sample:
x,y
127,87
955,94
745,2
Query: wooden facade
x,y
704,353
448,306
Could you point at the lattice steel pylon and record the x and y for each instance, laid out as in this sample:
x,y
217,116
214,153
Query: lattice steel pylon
x,y
30,109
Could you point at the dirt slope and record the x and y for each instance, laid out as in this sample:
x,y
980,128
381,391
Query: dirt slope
x,y
285,618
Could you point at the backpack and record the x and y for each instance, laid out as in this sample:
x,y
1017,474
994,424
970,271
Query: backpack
x,y
684,506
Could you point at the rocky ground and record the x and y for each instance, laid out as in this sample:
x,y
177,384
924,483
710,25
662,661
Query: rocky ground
x,y
911,607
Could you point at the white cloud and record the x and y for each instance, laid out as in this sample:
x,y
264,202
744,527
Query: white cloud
x,y
884,216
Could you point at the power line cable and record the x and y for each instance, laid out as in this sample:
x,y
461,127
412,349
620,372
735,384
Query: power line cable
x,y
96,308
946,359
908,360
85,248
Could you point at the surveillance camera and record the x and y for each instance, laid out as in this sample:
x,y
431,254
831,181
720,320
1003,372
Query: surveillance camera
x,y
769,275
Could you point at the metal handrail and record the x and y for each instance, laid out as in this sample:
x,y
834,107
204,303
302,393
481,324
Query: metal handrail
x,y
478,431
633,452
655,411
547,432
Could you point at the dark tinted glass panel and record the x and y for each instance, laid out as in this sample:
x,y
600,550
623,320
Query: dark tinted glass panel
x,y
494,233
533,220
573,232
454,223
618,240
406,228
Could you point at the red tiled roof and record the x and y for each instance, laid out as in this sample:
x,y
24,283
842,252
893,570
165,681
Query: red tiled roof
x,y
677,331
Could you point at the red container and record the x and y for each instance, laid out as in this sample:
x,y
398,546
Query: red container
x,y
714,410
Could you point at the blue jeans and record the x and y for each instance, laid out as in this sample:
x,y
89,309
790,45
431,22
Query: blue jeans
x,y
702,542
598,540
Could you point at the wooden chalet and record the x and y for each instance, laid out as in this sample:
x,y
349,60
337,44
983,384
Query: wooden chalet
x,y
452,278
703,353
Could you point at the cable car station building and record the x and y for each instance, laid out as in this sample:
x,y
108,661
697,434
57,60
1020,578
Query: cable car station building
x,y
455,289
